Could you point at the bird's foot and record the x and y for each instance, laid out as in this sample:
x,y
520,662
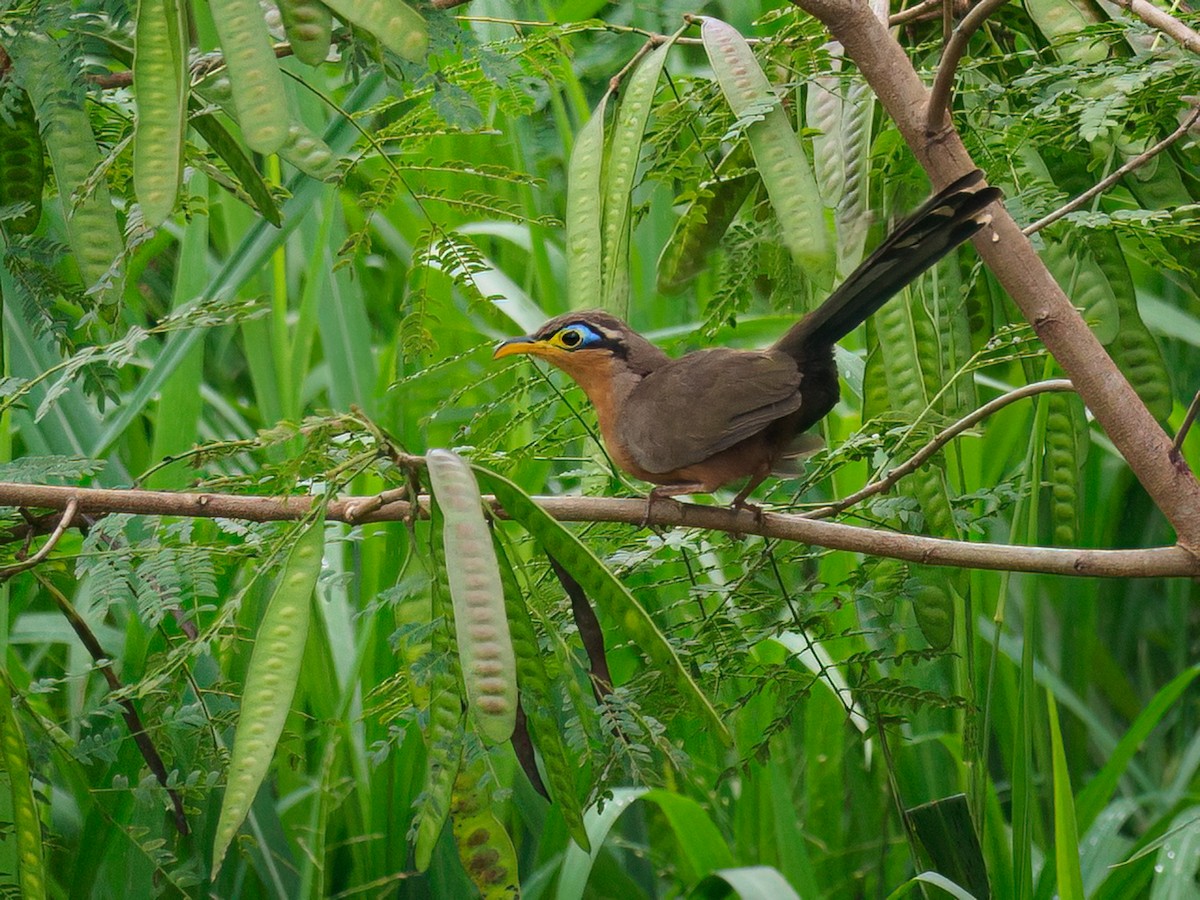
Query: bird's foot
x,y
650,498
753,508
739,502
664,491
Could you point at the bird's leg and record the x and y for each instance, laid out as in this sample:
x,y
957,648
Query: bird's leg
x,y
671,490
739,502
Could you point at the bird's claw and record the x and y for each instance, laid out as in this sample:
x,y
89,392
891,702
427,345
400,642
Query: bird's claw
x,y
753,508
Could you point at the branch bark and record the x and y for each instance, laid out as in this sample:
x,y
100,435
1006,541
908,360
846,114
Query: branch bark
x,y
1008,253
1149,563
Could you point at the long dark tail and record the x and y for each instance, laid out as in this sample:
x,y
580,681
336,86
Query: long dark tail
x,y
947,219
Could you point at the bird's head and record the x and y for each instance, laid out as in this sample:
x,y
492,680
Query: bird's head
x,y
587,346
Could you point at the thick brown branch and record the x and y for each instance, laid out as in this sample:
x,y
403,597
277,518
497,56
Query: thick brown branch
x,y
1008,253
1154,562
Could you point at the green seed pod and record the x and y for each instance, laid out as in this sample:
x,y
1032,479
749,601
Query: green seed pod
x,y
484,846
95,236
1066,448
22,163
584,211
1134,348
26,823
480,624
270,682
934,608
620,169
308,25
397,26
784,166
160,84
254,74
1081,278
443,734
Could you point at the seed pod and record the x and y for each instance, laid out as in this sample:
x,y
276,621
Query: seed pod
x,y
934,608
254,74
22,164
621,166
584,210
26,823
484,846
1066,447
480,625
397,26
782,162
160,86
443,734
95,237
308,26
270,682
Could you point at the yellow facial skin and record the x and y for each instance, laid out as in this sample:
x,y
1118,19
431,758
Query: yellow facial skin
x,y
561,342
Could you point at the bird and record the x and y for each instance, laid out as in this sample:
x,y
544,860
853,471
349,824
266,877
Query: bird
x,y
695,423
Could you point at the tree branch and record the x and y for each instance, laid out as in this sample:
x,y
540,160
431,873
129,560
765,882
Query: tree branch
x,y
921,10
938,114
1188,418
1008,253
939,440
1149,563
64,522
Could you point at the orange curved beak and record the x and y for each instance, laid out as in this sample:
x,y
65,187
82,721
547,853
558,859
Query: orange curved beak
x,y
526,343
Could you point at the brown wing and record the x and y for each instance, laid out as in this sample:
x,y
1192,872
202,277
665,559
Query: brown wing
x,y
705,402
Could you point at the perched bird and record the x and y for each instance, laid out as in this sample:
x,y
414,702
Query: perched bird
x,y
693,424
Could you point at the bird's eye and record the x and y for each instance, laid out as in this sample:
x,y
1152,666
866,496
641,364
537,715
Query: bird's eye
x,y
571,338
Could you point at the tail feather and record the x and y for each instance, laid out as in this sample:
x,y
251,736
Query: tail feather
x,y
943,222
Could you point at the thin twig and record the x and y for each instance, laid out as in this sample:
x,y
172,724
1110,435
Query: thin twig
x,y
1140,160
614,83
940,440
203,66
922,9
1156,562
129,712
938,111
64,522
1188,418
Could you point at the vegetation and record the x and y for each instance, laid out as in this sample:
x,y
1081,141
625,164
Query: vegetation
x,y
267,264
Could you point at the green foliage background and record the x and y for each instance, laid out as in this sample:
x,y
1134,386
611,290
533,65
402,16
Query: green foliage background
x,y
283,335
